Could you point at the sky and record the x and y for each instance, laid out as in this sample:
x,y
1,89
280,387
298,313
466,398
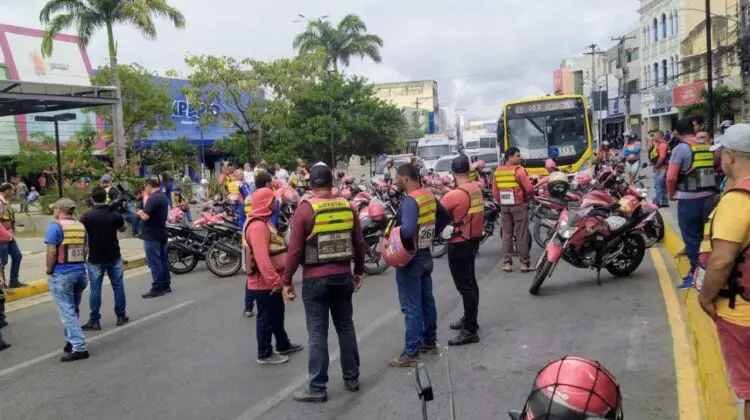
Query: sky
x,y
481,52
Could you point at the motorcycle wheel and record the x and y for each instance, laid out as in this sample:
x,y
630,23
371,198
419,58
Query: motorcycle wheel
x,y
543,269
378,266
227,268
177,260
634,251
438,250
542,233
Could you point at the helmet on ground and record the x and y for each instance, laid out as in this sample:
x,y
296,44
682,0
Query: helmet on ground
x,y
394,253
583,179
574,388
288,195
558,184
628,205
550,165
377,210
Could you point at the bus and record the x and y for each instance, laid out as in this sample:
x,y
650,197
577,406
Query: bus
x,y
555,127
429,149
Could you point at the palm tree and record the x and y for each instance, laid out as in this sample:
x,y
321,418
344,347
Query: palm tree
x,y
348,39
88,16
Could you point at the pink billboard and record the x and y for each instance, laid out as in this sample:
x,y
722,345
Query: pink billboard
x,y
20,49
562,82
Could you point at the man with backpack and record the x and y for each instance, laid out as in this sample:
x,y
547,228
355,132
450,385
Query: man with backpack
x,y
659,158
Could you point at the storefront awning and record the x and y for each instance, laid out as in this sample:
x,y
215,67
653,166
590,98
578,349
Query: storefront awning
x,y
18,97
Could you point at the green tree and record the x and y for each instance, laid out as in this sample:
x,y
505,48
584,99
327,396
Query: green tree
x,y
145,103
88,16
171,156
723,97
348,39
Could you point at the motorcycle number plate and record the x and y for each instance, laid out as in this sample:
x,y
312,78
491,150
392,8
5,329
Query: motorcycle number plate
x,y
334,246
507,198
700,274
426,235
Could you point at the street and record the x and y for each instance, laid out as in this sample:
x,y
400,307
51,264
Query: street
x,y
191,354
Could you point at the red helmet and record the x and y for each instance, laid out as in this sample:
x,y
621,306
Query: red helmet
x,y
365,220
584,179
394,253
377,210
288,195
574,388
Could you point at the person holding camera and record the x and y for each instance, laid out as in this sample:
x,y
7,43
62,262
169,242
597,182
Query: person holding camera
x,y
154,235
102,222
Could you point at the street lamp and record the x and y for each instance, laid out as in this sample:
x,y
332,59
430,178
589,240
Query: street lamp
x,y
330,70
55,119
304,18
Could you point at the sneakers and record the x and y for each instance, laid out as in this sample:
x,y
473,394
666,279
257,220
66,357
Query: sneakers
x,y
122,320
168,290
3,345
68,348
404,360
153,294
526,267
16,285
273,359
307,395
429,349
457,325
92,325
508,266
351,385
3,323
293,348
687,282
464,337
248,314
74,356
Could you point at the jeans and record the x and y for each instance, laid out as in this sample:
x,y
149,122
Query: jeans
x,y
321,296
135,221
270,322
417,303
11,248
660,188
66,290
115,270
249,298
461,261
516,223
691,216
156,257
2,306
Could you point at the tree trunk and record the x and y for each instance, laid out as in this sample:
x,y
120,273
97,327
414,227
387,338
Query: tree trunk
x,y
118,126
259,145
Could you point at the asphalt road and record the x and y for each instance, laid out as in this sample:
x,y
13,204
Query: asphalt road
x,y
191,354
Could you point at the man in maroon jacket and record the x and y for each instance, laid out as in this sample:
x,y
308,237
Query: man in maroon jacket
x,y
325,237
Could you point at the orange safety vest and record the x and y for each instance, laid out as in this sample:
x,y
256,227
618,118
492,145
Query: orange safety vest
x,y
507,184
426,218
738,283
71,249
476,210
276,249
332,236
248,204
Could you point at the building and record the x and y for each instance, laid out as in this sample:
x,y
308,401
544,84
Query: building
x,y
419,101
624,99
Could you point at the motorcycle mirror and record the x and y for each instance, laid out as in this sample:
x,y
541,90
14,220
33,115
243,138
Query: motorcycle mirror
x,y
515,414
422,383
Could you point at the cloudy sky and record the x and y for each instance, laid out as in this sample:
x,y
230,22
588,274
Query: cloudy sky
x,y
481,52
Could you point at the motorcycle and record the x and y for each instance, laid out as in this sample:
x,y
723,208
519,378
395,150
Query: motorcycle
x,y
597,235
224,255
188,244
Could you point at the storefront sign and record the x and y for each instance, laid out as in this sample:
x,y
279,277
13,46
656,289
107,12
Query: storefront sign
x,y
662,103
634,121
688,94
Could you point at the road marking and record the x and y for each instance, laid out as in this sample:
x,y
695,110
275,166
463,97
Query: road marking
x,y
95,338
688,403
259,409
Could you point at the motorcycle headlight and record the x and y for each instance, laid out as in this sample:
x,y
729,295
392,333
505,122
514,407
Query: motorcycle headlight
x,y
565,230
642,192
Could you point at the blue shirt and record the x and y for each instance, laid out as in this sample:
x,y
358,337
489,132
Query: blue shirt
x,y
682,155
54,236
275,214
408,215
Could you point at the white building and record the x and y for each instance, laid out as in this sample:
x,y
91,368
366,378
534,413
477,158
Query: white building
x,y
661,29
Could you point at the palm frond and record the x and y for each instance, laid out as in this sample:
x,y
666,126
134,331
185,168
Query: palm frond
x,y
55,26
351,24
136,13
162,9
88,23
53,7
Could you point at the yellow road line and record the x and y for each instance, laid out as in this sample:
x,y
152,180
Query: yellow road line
x,y
688,396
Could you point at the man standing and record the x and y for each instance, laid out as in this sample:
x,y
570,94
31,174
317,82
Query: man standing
x,y
691,180
9,248
154,235
66,266
112,193
724,271
325,237
420,217
102,224
264,256
512,189
248,175
659,157
237,192
281,173
466,207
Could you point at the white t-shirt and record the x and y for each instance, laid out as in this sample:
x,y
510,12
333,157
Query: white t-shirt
x,y
249,177
282,174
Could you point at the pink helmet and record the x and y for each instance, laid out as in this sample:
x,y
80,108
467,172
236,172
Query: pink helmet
x,y
550,165
348,180
480,164
377,210
277,184
362,198
288,195
175,215
447,180
584,179
394,253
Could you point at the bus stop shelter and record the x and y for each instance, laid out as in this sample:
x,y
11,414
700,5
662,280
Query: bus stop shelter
x,y
18,97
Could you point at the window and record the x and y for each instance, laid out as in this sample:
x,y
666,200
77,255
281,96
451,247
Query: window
x,y
664,74
663,26
672,73
656,74
676,28
655,29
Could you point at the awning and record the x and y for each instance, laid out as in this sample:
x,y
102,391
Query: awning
x,y
18,97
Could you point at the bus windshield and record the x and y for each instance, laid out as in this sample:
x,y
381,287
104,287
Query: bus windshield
x,y
433,151
537,136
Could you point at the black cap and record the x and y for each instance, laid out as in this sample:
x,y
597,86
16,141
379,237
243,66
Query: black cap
x,y
5,186
461,164
321,175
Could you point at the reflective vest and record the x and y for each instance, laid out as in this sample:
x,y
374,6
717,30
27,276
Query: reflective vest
x,y
476,209
106,198
8,218
507,184
701,176
70,250
426,218
653,155
248,205
276,249
332,236
473,175
738,283
233,192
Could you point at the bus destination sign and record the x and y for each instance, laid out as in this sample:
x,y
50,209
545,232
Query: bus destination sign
x,y
543,106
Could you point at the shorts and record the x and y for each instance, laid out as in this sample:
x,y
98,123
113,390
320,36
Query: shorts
x,y
735,346
633,167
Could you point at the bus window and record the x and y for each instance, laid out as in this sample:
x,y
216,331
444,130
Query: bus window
x,y
488,142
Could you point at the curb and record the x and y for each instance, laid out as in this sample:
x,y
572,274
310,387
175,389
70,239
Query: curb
x,y
40,286
717,397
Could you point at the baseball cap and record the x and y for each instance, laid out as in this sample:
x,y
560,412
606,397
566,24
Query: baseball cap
x,y
65,204
736,137
321,175
106,179
461,164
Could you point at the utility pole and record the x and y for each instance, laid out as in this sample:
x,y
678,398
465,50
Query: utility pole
x,y
744,56
417,102
593,53
709,71
624,87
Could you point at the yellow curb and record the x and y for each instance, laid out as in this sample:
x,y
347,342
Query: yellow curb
x,y
40,286
717,398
